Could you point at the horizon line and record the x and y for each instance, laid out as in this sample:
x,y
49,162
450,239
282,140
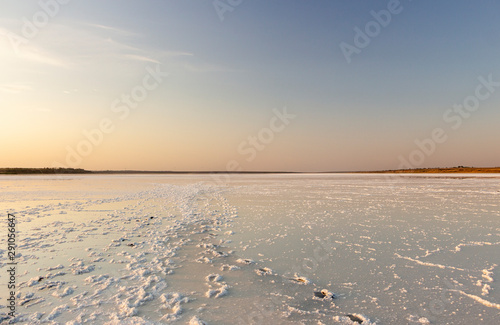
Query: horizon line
x,y
49,170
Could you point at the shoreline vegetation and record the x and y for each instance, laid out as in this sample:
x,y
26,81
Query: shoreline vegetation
x,y
45,171
459,169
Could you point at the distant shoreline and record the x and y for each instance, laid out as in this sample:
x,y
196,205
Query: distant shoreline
x,y
465,170
79,171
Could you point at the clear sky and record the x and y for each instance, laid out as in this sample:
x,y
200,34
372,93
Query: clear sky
x,y
250,84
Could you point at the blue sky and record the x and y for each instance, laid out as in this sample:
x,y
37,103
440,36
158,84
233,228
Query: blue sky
x,y
227,77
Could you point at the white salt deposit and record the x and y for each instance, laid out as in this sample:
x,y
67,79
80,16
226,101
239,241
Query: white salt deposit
x,y
262,271
487,275
246,261
300,279
196,321
353,319
269,249
65,292
214,277
480,300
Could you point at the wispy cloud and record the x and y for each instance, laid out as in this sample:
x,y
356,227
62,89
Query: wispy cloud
x,y
205,68
30,52
40,55
78,45
120,44
175,53
112,29
140,58
15,88
71,46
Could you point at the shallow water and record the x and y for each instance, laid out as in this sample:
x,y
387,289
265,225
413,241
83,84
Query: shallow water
x,y
411,249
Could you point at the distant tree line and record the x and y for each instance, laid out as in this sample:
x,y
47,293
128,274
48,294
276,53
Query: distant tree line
x,y
43,171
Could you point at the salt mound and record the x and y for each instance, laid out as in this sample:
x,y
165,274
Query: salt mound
x,y
246,261
350,319
300,279
196,321
324,294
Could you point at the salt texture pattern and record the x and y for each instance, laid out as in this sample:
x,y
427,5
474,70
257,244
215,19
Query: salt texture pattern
x,y
254,249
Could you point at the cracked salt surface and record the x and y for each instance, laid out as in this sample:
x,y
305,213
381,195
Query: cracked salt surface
x,y
268,249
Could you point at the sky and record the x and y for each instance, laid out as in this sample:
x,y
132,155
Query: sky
x,y
249,85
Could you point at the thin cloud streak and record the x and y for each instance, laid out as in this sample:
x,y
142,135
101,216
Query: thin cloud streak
x,y
15,88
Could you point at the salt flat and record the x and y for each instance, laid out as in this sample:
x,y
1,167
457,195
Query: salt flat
x,y
254,249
